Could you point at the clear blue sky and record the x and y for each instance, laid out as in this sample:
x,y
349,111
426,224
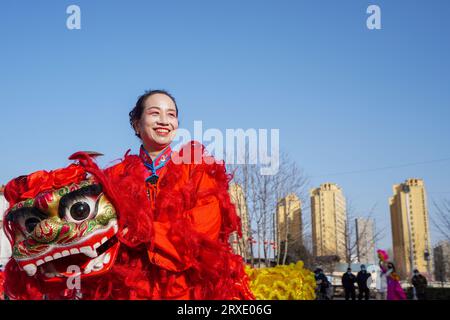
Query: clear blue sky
x,y
345,98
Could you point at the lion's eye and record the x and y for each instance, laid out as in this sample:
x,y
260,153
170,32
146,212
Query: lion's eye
x,y
80,205
80,209
28,218
31,223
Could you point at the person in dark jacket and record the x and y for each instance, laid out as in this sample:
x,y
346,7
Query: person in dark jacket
x,y
322,284
361,279
420,284
348,282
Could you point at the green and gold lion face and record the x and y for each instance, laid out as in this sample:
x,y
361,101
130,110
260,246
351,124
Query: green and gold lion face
x,y
65,230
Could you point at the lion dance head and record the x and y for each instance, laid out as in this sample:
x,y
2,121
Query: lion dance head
x,y
63,226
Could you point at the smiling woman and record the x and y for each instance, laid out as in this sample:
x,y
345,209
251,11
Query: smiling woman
x,y
187,216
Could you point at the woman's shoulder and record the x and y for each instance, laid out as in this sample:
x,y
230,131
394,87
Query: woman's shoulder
x,y
194,153
124,165
194,157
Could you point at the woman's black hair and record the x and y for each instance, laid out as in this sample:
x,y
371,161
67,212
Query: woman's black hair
x,y
136,113
393,266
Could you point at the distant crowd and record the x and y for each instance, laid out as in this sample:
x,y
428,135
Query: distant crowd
x,y
389,289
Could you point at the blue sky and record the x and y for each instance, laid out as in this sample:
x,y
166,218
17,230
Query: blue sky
x,y
344,97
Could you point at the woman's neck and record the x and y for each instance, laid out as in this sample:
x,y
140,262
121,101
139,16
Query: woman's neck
x,y
152,151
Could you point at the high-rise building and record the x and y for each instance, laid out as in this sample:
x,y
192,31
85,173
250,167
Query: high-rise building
x,y
240,246
289,229
410,231
441,254
328,219
365,240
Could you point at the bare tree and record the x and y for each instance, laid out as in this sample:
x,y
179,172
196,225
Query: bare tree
x,y
262,193
327,263
441,218
290,180
241,246
354,250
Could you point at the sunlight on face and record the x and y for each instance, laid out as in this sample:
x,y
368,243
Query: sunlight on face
x,y
158,123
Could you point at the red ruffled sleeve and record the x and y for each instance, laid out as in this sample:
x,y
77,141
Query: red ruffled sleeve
x,y
204,218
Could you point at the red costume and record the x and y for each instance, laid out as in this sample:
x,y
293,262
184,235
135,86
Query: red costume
x,y
172,237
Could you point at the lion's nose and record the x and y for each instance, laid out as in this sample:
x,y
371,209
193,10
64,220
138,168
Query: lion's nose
x,y
47,230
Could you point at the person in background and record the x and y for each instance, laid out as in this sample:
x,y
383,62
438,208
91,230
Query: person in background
x,y
381,285
362,279
348,282
420,284
394,289
322,284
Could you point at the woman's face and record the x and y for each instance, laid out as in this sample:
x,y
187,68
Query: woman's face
x,y
158,123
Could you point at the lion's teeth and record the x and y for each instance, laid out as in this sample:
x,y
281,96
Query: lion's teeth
x,y
95,264
50,274
57,255
65,253
98,266
106,258
30,269
91,253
